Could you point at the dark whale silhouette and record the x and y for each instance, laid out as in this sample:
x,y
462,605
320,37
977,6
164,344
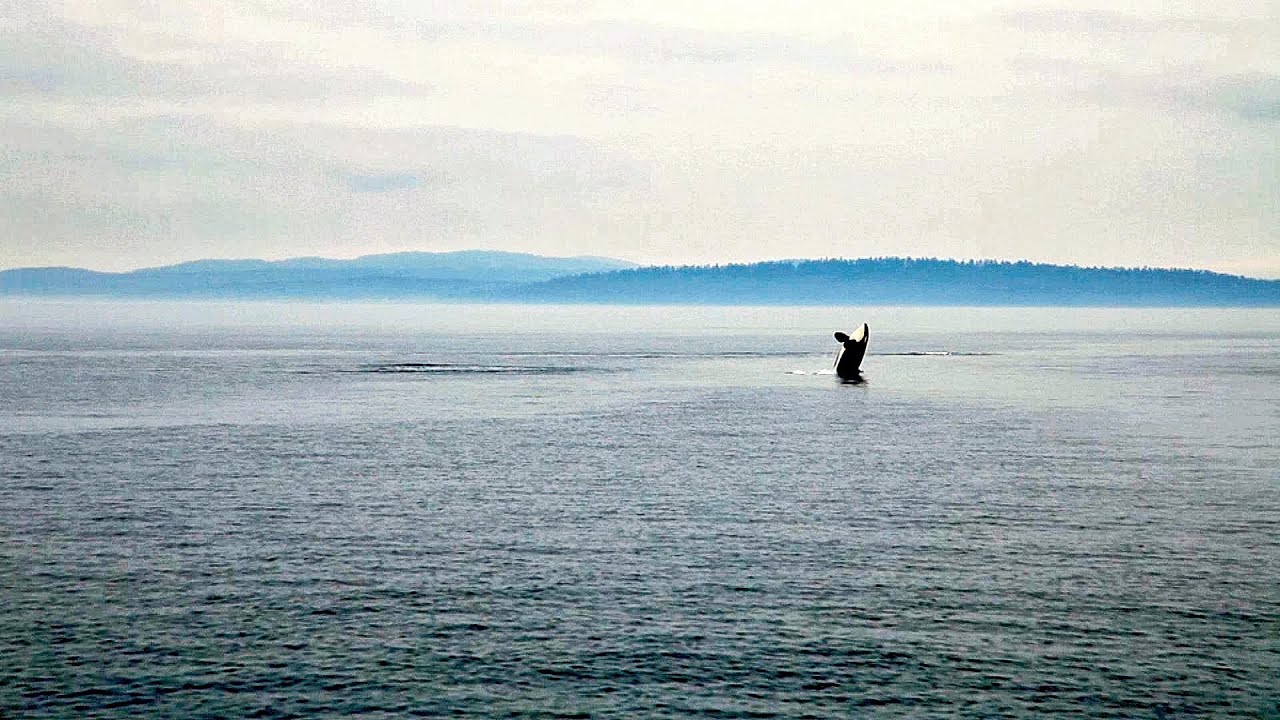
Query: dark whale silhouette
x,y
852,350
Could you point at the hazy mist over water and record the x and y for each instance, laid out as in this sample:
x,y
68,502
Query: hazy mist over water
x,y
385,510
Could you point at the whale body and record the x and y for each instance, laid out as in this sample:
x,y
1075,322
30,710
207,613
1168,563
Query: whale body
x,y
852,350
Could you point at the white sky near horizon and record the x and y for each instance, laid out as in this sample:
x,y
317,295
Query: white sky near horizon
x,y
1132,133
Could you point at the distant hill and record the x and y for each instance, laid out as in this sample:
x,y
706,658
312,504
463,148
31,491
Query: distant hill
x,y
898,281
475,276
449,275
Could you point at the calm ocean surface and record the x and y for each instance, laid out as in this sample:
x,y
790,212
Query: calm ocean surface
x,y
281,510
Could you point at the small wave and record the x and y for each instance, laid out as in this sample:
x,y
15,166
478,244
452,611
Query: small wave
x,y
663,354
455,368
1249,370
934,353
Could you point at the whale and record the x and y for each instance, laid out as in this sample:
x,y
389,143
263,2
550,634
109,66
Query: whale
x,y
852,349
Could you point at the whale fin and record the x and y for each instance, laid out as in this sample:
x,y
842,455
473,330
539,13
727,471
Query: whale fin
x,y
852,350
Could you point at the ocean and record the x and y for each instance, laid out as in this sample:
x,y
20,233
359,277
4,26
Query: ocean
x,y
213,510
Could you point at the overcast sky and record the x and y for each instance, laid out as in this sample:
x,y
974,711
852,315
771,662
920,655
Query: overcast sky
x,y
1097,133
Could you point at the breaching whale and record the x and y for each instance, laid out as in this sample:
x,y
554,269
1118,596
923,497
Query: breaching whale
x,y
852,349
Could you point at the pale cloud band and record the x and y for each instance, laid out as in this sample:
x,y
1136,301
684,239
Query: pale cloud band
x,y
1116,134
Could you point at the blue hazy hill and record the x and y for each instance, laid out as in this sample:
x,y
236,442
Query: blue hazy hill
x,y
411,274
513,277
899,281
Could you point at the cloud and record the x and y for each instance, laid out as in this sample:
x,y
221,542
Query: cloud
x,y
139,191
1253,96
388,182
53,56
652,43
1063,20
135,133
